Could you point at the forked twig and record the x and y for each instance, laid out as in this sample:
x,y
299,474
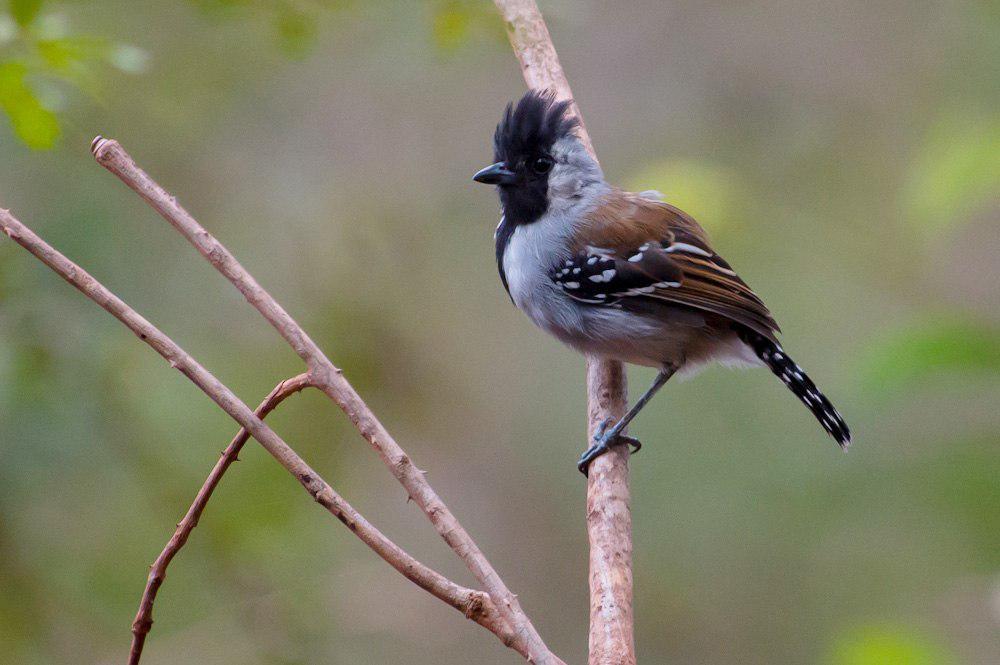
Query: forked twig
x,y
475,605
158,571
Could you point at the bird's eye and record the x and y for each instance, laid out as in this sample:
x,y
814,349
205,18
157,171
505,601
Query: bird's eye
x,y
541,165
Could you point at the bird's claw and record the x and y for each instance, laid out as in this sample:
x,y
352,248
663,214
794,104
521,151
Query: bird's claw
x,y
601,435
603,442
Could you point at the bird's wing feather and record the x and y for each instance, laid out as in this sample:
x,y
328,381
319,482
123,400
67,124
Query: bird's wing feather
x,y
632,248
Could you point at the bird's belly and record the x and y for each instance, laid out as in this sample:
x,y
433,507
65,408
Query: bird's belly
x,y
631,338
610,332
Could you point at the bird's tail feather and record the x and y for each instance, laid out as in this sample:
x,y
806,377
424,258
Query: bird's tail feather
x,y
772,355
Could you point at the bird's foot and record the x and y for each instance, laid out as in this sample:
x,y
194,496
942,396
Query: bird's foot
x,y
603,442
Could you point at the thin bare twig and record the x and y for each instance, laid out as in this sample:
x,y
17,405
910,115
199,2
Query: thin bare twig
x,y
328,378
158,571
609,518
475,605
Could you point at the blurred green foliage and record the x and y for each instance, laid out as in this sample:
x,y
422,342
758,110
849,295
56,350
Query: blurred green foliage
x,y
41,60
913,354
842,154
25,11
462,23
708,192
956,171
293,22
882,645
33,123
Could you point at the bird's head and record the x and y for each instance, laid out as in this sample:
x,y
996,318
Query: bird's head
x,y
539,160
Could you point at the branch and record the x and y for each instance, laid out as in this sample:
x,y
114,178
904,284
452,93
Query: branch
x,y
158,571
473,604
609,519
328,378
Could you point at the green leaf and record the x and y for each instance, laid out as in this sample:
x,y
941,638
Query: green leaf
x,y
25,11
956,172
34,124
911,354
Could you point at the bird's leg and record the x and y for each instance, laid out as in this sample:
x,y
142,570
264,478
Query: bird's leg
x,y
605,438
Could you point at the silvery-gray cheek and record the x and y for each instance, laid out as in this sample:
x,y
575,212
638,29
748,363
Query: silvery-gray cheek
x,y
564,182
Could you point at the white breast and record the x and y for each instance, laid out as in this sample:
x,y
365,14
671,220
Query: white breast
x,y
534,249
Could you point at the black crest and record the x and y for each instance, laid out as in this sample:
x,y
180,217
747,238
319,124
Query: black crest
x,y
532,127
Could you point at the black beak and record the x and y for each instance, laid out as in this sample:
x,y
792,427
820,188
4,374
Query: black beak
x,y
495,174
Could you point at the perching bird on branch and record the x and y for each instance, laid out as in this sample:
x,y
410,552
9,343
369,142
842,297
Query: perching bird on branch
x,y
622,275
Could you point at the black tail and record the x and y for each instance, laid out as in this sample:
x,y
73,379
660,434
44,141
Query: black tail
x,y
799,383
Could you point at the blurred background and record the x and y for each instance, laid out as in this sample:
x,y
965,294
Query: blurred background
x,y
844,155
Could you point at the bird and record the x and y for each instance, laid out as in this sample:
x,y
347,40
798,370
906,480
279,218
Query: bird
x,y
622,275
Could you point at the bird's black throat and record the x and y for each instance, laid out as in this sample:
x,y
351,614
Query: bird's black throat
x,y
522,204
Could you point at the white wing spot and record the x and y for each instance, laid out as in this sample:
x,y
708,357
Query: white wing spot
x,y
592,260
605,276
635,258
684,247
571,285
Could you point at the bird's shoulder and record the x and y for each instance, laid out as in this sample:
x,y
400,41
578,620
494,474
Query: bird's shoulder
x,y
623,220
